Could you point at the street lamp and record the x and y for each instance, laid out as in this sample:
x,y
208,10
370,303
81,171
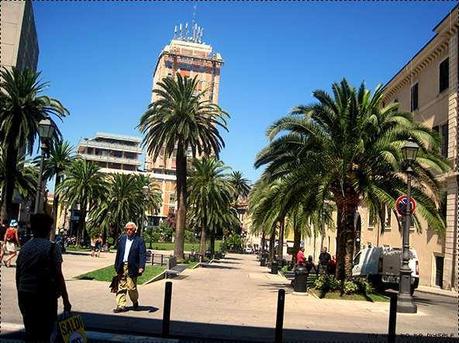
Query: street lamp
x,y
45,131
145,190
405,302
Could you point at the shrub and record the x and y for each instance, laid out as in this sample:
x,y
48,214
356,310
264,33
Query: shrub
x,y
326,283
364,286
350,287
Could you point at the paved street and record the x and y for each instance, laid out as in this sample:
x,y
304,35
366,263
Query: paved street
x,y
235,291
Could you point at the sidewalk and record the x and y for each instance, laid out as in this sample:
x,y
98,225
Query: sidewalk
x,y
437,291
236,299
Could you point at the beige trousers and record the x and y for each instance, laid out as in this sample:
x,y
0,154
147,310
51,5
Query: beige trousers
x,y
126,285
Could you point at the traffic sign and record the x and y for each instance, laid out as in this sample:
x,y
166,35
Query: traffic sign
x,y
401,205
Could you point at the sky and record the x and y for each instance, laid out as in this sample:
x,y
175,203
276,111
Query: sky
x,y
99,58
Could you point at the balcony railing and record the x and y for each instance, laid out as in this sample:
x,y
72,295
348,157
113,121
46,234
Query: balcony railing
x,y
110,146
110,159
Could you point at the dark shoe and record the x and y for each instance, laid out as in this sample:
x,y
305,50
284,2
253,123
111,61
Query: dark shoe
x,y
135,306
119,310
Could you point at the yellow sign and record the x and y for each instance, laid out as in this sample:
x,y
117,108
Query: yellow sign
x,y
72,330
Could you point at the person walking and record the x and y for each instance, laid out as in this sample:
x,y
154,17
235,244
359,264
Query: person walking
x,y
3,227
98,247
129,264
324,259
39,281
300,257
11,240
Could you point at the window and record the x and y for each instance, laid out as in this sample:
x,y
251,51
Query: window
x,y
444,75
388,218
371,222
442,130
414,97
356,259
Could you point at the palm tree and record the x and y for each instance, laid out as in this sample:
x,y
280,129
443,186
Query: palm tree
x,y
348,147
152,198
182,120
84,186
128,196
267,212
210,196
26,177
21,109
240,184
60,157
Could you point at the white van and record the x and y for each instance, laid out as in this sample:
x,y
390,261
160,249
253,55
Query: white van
x,y
382,267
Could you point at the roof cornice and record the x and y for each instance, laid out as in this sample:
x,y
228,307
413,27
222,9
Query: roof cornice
x,y
429,52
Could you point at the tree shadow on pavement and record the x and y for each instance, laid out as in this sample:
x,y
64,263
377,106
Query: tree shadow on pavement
x,y
149,309
426,301
183,331
216,266
226,262
233,258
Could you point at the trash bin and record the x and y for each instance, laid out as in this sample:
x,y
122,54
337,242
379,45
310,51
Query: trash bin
x,y
274,267
301,279
263,259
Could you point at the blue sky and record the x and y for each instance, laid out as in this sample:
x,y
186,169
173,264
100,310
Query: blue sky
x,y
99,57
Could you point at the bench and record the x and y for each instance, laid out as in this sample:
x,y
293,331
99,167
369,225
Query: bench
x,y
172,268
290,275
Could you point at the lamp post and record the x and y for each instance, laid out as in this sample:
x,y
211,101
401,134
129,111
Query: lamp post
x,y
405,302
46,132
145,190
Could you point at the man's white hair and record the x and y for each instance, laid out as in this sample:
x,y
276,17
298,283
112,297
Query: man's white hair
x,y
131,224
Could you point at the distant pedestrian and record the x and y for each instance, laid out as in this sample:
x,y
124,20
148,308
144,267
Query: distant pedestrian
x,y
300,257
324,259
11,240
309,264
98,247
332,266
3,227
93,246
39,281
129,264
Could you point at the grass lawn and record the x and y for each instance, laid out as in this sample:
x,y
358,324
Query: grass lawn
x,y
107,273
191,265
336,295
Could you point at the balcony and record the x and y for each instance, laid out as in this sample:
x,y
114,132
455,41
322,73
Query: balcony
x,y
110,146
110,159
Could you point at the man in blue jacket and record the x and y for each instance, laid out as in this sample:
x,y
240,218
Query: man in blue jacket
x,y
129,264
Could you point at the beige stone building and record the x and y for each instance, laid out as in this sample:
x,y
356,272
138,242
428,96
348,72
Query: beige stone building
x,y
427,86
19,43
188,55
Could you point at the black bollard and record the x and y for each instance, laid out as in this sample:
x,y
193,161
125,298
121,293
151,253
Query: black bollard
x,y
280,315
392,315
167,309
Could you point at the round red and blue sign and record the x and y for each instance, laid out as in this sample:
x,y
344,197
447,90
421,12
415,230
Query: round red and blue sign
x,y
401,205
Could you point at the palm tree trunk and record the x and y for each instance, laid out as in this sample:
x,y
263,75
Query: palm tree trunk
x,y
296,242
52,234
202,248
212,243
81,223
280,247
272,241
181,203
345,235
315,238
10,181
263,241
